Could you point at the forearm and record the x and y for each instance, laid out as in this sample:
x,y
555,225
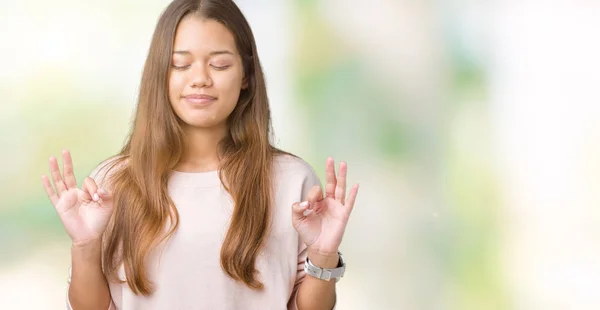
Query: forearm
x,y
317,294
88,289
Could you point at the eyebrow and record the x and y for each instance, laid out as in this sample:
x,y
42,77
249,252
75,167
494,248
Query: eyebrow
x,y
213,53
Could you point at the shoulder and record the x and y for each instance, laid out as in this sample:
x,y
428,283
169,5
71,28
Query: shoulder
x,y
289,164
107,168
293,172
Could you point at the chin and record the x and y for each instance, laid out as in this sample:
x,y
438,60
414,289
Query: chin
x,y
202,123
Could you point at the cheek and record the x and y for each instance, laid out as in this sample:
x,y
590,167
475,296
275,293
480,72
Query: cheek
x,y
228,85
176,83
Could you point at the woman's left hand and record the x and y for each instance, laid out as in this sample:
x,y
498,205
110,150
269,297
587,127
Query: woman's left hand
x,y
323,227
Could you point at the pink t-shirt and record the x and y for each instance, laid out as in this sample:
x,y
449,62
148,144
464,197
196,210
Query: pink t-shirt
x,y
186,269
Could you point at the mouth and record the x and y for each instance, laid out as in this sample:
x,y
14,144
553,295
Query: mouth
x,y
199,99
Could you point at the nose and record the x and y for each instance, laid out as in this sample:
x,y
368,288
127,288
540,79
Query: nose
x,y
200,76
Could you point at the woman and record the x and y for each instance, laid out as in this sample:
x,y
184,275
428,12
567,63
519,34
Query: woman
x,y
199,210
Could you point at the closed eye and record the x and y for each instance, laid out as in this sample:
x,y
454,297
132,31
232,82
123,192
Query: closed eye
x,y
221,68
180,67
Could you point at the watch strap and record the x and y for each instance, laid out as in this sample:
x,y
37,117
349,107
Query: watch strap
x,y
326,273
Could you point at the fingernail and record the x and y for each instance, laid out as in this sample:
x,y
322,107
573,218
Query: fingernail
x,y
95,197
304,204
102,191
306,212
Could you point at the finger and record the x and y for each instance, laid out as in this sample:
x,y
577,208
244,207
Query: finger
x,y
69,177
104,195
50,190
314,197
351,198
315,194
298,210
330,178
90,188
59,184
340,189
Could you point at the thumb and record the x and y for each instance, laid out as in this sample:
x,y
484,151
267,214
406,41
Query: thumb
x,y
300,210
104,195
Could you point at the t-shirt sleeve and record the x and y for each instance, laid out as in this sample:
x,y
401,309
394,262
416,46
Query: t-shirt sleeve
x,y
105,170
311,179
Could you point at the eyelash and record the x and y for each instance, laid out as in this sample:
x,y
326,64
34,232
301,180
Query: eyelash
x,y
215,67
220,68
180,68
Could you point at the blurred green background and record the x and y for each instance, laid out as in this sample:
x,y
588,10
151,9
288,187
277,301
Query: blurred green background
x,y
473,128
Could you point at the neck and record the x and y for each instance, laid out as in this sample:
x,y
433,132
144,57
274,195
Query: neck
x,y
200,154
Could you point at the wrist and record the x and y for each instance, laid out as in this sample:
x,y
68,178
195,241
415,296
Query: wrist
x,y
89,251
324,260
87,244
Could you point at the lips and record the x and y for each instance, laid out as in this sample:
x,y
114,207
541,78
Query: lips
x,y
199,98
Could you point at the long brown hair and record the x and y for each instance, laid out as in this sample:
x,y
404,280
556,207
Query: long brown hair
x,y
144,213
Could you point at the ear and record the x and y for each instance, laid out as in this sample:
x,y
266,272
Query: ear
x,y
244,83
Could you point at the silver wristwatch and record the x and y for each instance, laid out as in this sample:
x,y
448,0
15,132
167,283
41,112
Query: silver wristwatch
x,y
326,273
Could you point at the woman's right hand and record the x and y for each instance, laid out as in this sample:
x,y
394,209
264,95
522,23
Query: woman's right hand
x,y
83,212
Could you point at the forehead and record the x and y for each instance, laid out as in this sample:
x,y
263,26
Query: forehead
x,y
199,35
